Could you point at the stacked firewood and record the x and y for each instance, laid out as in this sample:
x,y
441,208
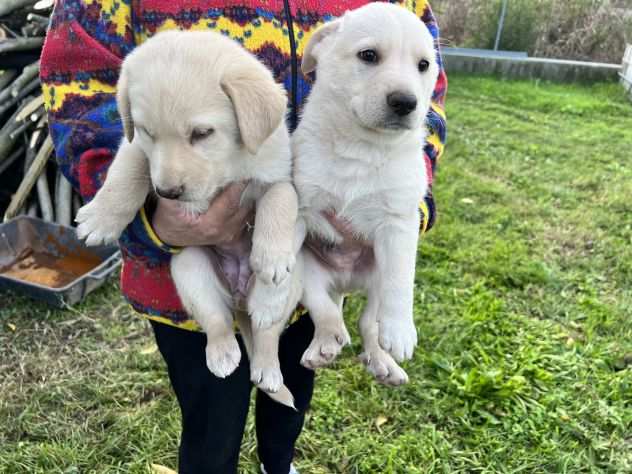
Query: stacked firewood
x,y
30,182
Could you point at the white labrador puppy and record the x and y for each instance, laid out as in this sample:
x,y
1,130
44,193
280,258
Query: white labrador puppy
x,y
200,112
358,159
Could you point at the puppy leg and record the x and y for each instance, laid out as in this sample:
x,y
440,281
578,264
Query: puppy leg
x,y
123,193
377,361
265,369
272,257
330,334
204,298
273,254
395,253
263,346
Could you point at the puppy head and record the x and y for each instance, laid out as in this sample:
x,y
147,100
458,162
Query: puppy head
x,y
194,101
379,63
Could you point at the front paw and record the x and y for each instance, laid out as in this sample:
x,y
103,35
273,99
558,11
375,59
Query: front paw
x,y
271,262
101,223
222,355
382,366
398,337
267,303
325,346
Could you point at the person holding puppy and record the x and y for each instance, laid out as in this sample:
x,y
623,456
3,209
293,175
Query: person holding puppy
x,y
80,64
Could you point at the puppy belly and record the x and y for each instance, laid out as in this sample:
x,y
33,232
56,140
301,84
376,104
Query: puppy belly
x,y
349,257
350,263
232,266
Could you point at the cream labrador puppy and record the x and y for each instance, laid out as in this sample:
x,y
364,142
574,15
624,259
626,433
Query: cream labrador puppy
x,y
200,112
358,160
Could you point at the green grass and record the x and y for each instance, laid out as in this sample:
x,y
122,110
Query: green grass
x,y
523,303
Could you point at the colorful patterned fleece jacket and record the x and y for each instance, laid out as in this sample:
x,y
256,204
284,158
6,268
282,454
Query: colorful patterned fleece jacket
x,y
80,64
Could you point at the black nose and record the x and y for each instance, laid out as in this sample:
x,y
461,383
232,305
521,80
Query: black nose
x,y
401,103
172,193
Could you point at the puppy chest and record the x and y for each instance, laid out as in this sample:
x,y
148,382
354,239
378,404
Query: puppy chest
x,y
356,189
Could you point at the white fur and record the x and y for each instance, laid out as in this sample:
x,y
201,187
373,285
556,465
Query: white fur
x,y
170,85
354,157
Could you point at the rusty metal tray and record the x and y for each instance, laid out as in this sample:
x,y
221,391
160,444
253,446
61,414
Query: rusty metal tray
x,y
28,233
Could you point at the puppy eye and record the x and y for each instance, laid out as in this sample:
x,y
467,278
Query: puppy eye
x,y
368,56
145,131
200,134
423,65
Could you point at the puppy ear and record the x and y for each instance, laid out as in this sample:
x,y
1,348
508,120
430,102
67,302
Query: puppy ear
x,y
123,105
259,103
308,64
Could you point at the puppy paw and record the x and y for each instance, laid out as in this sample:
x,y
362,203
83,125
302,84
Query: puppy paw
x,y
222,355
268,379
383,367
100,223
267,304
398,337
271,263
325,347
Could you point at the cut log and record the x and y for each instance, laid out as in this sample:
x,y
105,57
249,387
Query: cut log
x,y
43,5
29,108
44,199
6,142
39,19
29,73
35,170
19,130
32,212
39,128
63,200
30,87
20,44
9,6
6,77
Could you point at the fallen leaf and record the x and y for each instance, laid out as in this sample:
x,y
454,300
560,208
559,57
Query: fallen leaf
x,y
159,469
149,349
11,326
467,201
380,420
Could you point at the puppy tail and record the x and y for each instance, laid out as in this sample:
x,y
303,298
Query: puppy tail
x,y
283,396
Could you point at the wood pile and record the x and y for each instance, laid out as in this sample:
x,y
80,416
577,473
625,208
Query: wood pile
x,y
30,182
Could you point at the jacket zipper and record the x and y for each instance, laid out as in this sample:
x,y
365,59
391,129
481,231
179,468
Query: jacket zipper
x,y
294,67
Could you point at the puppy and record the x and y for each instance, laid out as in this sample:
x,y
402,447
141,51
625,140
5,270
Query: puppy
x,y
200,112
358,163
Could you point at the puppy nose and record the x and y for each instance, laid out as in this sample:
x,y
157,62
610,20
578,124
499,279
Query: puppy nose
x,y
401,103
171,193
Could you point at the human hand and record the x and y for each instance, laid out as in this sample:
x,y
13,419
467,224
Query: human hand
x,y
223,222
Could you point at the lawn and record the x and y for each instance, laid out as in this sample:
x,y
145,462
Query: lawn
x,y
523,303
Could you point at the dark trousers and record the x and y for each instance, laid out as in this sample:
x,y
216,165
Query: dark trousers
x,y
214,410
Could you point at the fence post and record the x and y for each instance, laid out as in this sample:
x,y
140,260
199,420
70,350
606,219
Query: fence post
x,y
626,70
501,23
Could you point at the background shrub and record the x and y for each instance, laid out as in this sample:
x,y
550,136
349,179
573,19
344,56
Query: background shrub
x,y
587,30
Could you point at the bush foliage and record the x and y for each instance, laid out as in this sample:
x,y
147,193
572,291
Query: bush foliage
x,y
586,30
